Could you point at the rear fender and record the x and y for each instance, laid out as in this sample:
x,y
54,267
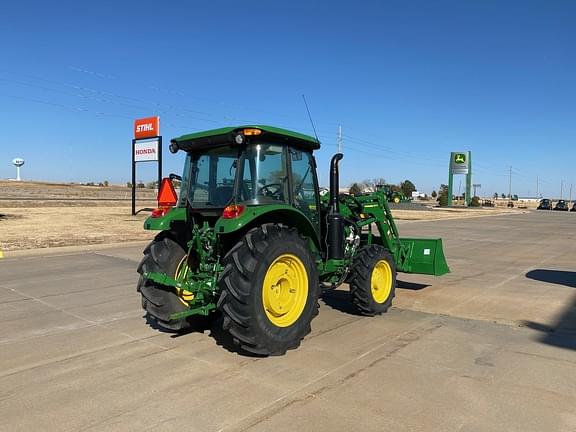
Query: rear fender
x,y
176,216
259,215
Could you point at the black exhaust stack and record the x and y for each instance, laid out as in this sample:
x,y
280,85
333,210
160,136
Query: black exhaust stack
x,y
335,220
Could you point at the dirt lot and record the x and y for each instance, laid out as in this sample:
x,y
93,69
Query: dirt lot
x,y
40,215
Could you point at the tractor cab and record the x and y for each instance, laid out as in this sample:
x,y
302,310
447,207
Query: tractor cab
x,y
230,170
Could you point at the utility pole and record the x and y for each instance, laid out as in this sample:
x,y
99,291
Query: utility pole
x,y
510,187
570,192
476,186
561,187
537,191
339,138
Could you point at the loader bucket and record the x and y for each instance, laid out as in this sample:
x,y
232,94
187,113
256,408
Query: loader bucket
x,y
423,256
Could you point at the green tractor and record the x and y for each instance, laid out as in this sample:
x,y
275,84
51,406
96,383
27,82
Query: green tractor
x,y
393,196
252,239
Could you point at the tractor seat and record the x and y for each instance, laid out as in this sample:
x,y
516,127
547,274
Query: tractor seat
x,y
223,195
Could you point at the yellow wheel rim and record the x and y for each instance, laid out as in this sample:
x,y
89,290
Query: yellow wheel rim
x,y
381,281
181,274
396,200
285,290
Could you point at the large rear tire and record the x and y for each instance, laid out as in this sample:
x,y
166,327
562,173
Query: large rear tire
x,y
373,280
269,290
162,255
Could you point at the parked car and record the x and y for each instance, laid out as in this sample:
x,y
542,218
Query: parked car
x,y
573,207
545,204
561,206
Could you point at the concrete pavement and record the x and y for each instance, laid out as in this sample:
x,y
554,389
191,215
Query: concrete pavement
x,y
489,347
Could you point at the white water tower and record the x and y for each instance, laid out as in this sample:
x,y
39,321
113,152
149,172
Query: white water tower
x,y
18,162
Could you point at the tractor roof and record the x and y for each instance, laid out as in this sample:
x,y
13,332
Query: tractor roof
x,y
226,135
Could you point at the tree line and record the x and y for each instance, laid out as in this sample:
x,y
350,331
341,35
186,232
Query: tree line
x,y
406,187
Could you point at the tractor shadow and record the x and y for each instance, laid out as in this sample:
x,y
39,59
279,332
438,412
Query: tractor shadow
x,y
562,333
412,286
211,325
340,300
199,324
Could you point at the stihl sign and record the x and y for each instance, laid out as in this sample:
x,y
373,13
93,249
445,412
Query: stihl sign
x,y
147,127
146,147
146,150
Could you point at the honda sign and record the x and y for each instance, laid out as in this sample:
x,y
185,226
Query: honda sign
x,y
146,150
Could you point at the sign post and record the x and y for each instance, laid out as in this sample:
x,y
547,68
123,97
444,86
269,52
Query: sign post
x,y
460,163
476,186
146,147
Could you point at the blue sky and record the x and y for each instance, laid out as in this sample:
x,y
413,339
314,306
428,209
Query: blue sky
x,y
409,81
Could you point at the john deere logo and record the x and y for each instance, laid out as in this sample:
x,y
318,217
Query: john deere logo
x,y
460,158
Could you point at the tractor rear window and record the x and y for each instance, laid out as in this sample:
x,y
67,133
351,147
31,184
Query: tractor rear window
x,y
211,177
263,178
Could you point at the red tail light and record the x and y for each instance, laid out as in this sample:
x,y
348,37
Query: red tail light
x,y
233,211
160,211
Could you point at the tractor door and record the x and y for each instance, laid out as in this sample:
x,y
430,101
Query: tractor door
x,y
304,185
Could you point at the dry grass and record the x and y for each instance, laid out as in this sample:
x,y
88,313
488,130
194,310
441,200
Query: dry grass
x,y
40,215
31,228
450,213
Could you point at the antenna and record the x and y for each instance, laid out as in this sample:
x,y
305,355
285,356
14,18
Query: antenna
x,y
310,117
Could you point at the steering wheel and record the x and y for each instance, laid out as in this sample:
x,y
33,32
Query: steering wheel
x,y
267,191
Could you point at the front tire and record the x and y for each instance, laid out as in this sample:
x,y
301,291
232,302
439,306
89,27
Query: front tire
x,y
162,255
269,290
373,280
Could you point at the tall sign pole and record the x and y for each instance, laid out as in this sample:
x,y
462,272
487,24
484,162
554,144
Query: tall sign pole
x,y
460,163
510,188
146,147
469,181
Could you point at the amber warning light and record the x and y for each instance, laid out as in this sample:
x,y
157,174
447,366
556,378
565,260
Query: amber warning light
x,y
252,132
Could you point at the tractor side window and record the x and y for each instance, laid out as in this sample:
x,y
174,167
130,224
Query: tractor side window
x,y
185,184
200,175
303,188
264,178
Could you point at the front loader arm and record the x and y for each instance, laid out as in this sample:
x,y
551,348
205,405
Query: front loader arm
x,y
424,256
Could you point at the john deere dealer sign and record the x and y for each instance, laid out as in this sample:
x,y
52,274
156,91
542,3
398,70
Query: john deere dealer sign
x,y
459,163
